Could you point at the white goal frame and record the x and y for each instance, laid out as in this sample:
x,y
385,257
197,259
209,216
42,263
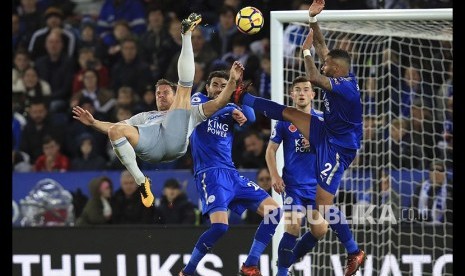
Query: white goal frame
x,y
278,18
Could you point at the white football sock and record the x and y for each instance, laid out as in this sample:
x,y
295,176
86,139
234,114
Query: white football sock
x,y
127,156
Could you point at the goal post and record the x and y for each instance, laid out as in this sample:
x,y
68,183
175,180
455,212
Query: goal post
x,y
403,61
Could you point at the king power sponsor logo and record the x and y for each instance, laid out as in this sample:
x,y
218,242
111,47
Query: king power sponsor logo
x,y
211,264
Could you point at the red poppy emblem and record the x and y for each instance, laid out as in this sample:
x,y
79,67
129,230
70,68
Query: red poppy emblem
x,y
292,128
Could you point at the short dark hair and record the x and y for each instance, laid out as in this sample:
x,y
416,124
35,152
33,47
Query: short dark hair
x,y
217,74
299,80
172,183
340,54
166,82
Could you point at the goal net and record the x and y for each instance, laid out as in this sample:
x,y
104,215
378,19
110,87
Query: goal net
x,y
397,193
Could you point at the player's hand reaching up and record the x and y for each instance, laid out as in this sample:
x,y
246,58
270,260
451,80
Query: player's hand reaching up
x,y
236,71
239,117
308,42
277,183
83,116
316,7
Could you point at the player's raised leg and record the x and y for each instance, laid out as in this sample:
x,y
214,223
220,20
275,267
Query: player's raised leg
x,y
275,110
186,65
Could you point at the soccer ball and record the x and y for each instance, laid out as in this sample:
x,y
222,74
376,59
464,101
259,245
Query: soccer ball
x,y
249,20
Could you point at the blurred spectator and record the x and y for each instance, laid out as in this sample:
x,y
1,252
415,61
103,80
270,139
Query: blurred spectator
x,y
264,181
382,196
261,48
425,129
21,161
174,206
444,95
388,76
263,78
102,99
433,199
151,41
30,19
447,142
126,97
147,102
199,78
222,34
97,209
38,126
30,88
240,51
398,151
18,39
126,203
52,160
412,88
295,34
111,53
169,48
74,129
130,70
18,124
366,155
88,159
21,61
87,60
254,151
370,97
88,39
132,11
54,21
57,69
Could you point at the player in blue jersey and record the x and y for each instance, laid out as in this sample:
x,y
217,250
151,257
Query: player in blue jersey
x,y
336,137
160,135
297,185
219,184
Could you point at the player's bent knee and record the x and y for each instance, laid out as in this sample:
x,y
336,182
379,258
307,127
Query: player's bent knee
x,y
319,231
219,228
293,229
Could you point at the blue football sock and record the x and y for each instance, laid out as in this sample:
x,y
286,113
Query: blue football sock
x,y
285,254
263,236
266,107
304,245
204,244
282,271
342,230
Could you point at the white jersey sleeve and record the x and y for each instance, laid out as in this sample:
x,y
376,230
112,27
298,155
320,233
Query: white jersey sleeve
x,y
197,117
137,119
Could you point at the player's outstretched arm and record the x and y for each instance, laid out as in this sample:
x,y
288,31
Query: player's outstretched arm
x,y
270,156
318,40
313,74
87,119
235,74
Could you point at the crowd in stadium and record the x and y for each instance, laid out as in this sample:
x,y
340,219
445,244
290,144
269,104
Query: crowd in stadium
x,y
106,56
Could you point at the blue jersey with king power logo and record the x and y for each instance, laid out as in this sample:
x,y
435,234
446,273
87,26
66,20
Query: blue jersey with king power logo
x,y
299,171
211,141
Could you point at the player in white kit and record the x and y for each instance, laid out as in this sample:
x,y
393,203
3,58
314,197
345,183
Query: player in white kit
x,y
163,135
